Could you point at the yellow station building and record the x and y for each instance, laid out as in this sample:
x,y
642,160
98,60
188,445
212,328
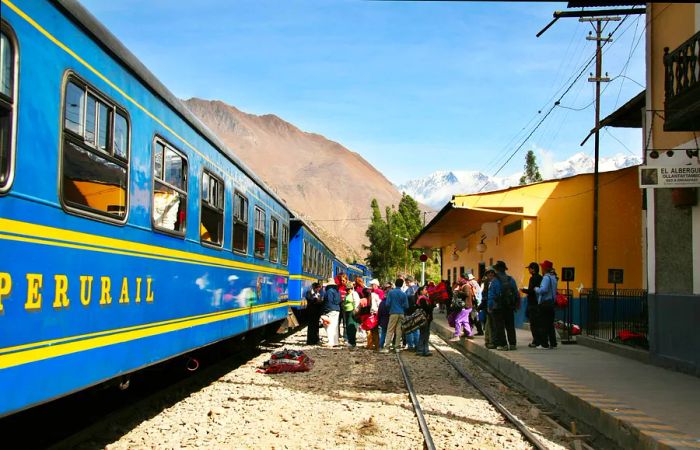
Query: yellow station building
x,y
547,220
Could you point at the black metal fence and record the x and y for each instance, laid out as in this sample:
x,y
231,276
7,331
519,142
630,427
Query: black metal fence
x,y
616,315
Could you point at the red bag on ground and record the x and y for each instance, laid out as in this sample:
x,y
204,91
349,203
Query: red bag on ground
x,y
561,301
287,361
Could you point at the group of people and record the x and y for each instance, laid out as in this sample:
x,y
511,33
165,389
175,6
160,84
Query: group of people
x,y
378,312
489,308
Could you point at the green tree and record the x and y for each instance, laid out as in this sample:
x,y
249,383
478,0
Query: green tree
x,y
389,237
532,172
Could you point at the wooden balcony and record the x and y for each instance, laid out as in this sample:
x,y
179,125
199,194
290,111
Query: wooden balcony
x,y
682,86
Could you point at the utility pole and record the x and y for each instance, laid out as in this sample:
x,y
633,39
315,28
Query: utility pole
x,y
597,16
597,79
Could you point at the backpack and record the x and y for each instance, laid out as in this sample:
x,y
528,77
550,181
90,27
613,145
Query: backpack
x,y
508,297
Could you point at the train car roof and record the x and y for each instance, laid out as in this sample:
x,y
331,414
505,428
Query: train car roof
x,y
121,53
313,233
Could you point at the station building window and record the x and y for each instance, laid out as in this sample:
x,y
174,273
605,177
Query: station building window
x,y
285,245
274,239
240,223
169,209
8,104
211,227
259,225
95,167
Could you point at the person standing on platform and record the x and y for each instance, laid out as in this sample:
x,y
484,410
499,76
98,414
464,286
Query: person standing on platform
x,y
314,306
546,295
476,296
489,275
464,303
503,301
398,304
331,310
424,303
532,310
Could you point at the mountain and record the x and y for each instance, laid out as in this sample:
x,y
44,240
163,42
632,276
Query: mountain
x,y
438,188
327,184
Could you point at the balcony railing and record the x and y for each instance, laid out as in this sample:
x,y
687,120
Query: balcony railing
x,y
682,86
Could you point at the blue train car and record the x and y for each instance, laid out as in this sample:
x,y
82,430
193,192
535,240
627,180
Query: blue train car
x,y
309,261
339,266
129,233
354,272
366,273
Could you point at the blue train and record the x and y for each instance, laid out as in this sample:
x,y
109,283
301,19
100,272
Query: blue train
x,y
310,261
129,233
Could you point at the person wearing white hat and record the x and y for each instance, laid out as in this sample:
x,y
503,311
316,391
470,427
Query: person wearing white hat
x,y
331,312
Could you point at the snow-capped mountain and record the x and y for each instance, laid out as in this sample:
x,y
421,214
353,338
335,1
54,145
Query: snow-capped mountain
x,y
438,188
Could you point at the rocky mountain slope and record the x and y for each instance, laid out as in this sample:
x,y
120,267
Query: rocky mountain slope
x,y
438,188
329,185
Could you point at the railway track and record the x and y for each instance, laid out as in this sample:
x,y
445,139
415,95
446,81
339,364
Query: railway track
x,y
428,441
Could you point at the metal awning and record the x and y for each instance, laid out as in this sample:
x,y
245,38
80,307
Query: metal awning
x,y
455,222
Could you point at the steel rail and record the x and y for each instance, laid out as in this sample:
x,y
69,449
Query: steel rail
x,y
502,409
427,438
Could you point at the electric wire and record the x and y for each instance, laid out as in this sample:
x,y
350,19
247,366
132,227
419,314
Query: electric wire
x,y
571,85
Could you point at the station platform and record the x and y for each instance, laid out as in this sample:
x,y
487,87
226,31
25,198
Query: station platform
x,y
636,405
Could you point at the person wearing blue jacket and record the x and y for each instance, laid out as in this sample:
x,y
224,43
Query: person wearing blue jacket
x,y
502,303
331,312
546,295
397,302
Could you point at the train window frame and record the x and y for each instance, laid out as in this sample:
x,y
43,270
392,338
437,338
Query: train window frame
x,y
183,190
75,141
284,247
9,104
274,238
303,255
238,197
212,203
259,231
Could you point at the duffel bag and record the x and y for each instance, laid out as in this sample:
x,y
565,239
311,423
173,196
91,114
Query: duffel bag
x,y
414,321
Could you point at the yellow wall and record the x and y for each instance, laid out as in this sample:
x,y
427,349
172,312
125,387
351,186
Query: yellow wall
x,y
672,24
563,229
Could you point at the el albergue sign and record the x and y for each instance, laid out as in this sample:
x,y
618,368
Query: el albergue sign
x,y
669,177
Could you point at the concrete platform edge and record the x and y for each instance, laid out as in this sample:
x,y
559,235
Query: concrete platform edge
x,y
620,350
623,432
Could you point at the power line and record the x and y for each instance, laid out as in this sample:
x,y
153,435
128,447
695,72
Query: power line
x,y
571,85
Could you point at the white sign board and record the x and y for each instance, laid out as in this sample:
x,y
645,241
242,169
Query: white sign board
x,y
669,177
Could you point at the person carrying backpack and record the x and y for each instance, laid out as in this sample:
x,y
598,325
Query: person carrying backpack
x,y
503,300
464,304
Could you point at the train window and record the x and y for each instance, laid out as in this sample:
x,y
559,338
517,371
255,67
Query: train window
x,y
259,244
94,175
314,260
211,227
8,102
169,212
240,223
285,244
274,239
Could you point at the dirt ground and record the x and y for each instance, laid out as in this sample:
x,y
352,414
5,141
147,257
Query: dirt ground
x,y
350,399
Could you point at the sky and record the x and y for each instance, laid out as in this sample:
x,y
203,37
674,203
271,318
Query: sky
x,y
413,87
